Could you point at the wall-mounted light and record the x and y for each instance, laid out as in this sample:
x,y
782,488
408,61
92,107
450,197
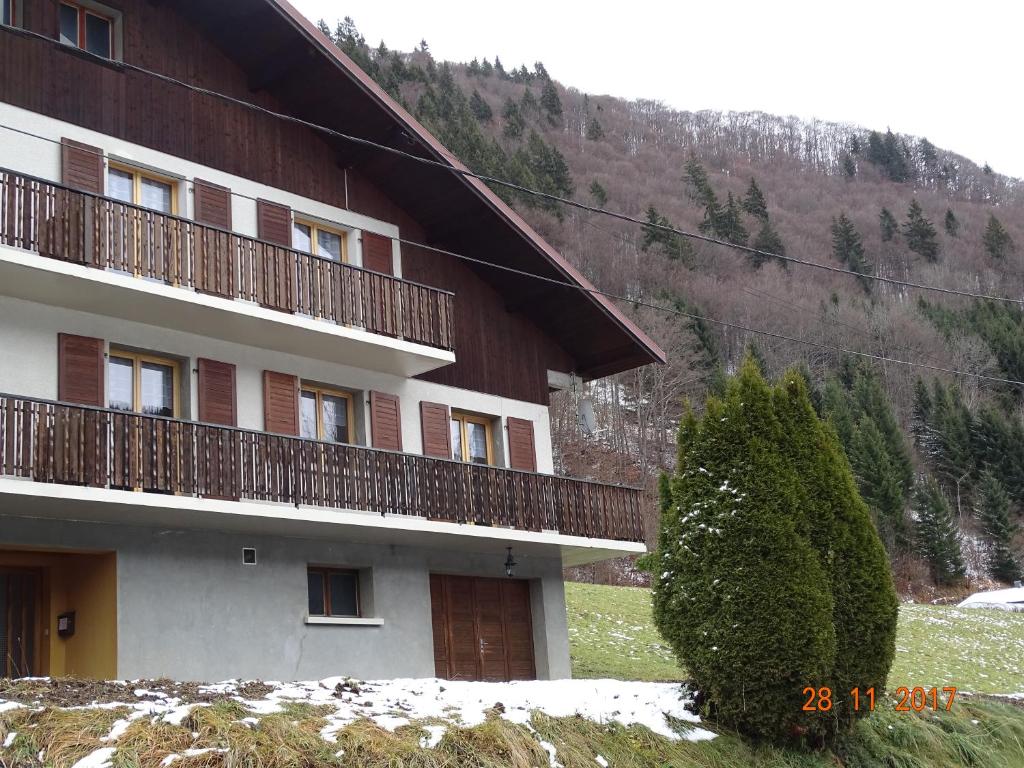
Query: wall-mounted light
x,y
510,563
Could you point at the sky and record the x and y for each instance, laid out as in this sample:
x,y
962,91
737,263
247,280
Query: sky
x,y
949,71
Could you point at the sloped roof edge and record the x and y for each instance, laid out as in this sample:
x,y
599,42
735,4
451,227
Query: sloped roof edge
x,y
349,67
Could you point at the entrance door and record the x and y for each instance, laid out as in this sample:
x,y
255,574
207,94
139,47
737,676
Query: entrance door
x,y
19,592
482,628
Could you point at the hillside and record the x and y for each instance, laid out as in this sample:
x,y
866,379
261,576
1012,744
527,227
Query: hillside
x,y
906,210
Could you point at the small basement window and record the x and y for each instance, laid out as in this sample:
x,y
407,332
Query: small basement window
x,y
10,13
92,27
333,592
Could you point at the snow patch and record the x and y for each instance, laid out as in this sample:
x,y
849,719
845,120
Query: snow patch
x,y
98,759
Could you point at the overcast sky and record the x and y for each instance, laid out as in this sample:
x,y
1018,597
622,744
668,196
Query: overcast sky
x,y
946,70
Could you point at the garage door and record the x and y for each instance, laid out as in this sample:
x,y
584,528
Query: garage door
x,y
482,628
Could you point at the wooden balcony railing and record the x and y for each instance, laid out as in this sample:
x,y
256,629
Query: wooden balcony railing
x,y
52,442
61,223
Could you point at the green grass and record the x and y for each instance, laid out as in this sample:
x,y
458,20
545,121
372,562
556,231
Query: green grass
x,y
611,635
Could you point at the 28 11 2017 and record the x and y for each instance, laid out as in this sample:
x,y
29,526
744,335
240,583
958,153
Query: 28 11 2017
x,y
913,699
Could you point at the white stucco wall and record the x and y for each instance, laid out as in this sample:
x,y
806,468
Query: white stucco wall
x,y
28,367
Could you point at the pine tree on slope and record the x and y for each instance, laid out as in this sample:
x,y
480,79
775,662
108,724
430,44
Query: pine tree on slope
x,y
936,533
887,224
920,234
993,510
997,241
754,202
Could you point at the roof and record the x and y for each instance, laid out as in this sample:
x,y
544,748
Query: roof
x,y
588,326
1000,598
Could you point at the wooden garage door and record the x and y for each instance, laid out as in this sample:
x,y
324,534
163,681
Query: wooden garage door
x,y
482,628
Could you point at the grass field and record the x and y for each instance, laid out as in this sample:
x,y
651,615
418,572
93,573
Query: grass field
x,y
611,635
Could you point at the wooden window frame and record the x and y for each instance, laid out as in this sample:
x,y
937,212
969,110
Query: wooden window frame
x,y
325,573
463,418
138,358
138,174
87,10
13,5
320,392
316,226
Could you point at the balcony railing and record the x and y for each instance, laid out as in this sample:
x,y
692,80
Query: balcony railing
x,y
82,228
52,442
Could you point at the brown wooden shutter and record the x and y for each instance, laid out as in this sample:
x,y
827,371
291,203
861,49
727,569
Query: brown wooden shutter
x,y
212,204
437,437
274,223
280,403
217,398
522,452
377,253
82,166
385,421
80,365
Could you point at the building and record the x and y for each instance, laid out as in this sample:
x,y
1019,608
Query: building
x,y
254,423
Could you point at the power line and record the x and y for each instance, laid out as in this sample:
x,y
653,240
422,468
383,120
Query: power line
x,y
465,172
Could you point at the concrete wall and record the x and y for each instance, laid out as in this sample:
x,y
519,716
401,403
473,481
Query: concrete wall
x,y
28,367
189,609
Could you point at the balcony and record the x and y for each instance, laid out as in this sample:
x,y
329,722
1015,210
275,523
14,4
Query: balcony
x,y
175,460
95,254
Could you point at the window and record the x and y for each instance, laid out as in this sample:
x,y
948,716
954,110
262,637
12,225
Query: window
x,y
9,12
88,27
333,592
319,240
142,383
471,438
325,414
131,185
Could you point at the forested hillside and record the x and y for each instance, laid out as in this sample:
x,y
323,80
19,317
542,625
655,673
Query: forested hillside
x,y
939,457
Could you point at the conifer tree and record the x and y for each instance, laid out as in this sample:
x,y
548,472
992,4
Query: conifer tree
x,y
730,225
920,234
473,68
486,68
993,510
767,240
551,103
599,193
880,483
997,241
952,223
887,224
480,108
754,202
849,166
594,131
936,534
890,155
499,70
848,249
662,240
698,188
921,414
514,122
528,103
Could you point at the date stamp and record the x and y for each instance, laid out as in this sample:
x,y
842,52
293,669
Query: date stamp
x,y
914,699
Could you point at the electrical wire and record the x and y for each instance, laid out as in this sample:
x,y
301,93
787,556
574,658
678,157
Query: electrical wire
x,y
465,172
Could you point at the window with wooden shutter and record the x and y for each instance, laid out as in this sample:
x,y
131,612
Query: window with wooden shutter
x,y
80,367
377,253
274,223
217,398
522,452
81,166
280,403
385,421
436,437
212,204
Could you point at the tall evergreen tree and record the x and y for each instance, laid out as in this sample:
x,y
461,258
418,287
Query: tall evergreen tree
x,y
656,237
848,249
499,70
486,68
514,122
993,510
952,223
730,223
880,483
920,234
699,190
599,193
921,414
768,241
936,534
480,108
594,131
887,224
997,241
754,202
551,103
890,155
849,166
